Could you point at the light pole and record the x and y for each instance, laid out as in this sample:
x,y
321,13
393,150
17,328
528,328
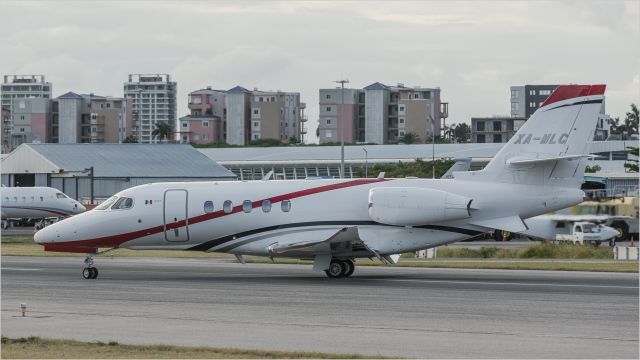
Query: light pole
x,y
342,82
433,149
90,171
366,163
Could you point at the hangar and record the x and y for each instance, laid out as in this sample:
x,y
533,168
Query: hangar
x,y
97,171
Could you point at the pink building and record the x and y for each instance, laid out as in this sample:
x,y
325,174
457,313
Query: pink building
x,y
205,122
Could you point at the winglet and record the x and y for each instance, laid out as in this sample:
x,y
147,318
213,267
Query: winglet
x,y
381,175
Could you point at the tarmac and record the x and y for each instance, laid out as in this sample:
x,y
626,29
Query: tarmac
x,y
406,312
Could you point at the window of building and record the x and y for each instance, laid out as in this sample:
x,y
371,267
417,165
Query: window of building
x,y
205,124
260,99
247,206
480,138
401,133
185,124
21,117
22,104
515,106
266,205
544,92
286,205
328,108
328,96
256,136
256,111
480,126
532,92
184,138
497,138
401,120
227,206
21,130
497,126
532,104
205,137
401,108
256,124
328,134
328,121
515,94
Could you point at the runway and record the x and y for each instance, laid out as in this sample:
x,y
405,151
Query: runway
x,y
407,312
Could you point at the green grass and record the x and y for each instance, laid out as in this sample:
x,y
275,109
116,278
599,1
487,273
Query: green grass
x,y
542,250
42,348
562,256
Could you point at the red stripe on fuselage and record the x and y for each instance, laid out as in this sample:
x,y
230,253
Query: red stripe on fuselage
x,y
117,240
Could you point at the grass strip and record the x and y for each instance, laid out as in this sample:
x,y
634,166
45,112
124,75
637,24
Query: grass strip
x,y
43,348
520,259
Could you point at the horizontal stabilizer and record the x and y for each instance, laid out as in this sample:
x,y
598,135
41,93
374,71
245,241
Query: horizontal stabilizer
x,y
509,223
528,161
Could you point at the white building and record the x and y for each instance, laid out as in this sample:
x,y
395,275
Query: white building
x,y
154,100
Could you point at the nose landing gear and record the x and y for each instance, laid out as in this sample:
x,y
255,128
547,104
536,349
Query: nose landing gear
x,y
89,272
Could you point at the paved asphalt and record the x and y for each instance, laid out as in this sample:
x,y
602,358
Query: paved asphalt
x,y
407,312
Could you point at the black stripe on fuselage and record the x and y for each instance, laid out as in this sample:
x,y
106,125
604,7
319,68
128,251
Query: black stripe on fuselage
x,y
219,241
578,103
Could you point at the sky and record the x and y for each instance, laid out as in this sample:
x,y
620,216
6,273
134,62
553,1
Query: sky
x,y
474,51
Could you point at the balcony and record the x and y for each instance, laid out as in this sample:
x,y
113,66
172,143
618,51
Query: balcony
x,y
303,130
304,119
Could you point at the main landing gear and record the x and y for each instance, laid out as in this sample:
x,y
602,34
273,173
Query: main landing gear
x,y
89,272
340,268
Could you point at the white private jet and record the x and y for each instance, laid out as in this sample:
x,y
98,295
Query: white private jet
x,y
36,203
333,222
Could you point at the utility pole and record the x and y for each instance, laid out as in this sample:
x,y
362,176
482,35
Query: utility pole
x,y
366,163
433,149
342,82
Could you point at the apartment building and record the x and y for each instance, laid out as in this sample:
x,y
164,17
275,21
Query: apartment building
x,y
255,115
205,122
380,114
30,121
19,87
154,100
496,129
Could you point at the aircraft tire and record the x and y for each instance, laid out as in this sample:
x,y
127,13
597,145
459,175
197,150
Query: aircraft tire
x,y
87,273
351,267
336,269
94,274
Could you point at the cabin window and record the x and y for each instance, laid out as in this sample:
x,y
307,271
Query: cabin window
x,y
247,206
107,203
32,198
208,206
227,206
266,205
286,205
15,198
60,196
24,198
123,203
559,225
41,198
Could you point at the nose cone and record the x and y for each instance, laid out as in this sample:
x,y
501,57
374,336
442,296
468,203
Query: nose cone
x,y
45,235
78,208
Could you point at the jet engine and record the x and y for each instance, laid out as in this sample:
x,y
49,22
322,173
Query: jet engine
x,y
408,206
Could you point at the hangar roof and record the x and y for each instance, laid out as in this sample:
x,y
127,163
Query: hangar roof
x,y
114,160
354,153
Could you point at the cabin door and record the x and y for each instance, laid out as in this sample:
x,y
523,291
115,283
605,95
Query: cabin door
x,y
176,216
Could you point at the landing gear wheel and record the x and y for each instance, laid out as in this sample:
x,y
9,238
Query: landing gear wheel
x,y
87,273
350,268
336,269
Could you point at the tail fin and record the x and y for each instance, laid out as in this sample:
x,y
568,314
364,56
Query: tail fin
x,y
550,148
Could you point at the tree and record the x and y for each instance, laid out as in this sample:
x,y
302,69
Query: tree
x,y
461,132
130,139
410,138
592,169
632,164
162,130
629,126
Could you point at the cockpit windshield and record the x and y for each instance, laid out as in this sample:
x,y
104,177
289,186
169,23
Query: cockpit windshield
x,y
123,203
590,228
61,195
107,203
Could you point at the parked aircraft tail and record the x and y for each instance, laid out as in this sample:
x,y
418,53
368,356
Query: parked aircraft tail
x,y
551,147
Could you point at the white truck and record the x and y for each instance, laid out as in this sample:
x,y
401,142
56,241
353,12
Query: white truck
x,y
588,232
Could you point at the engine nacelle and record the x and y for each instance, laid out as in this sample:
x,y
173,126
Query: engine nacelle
x,y
408,206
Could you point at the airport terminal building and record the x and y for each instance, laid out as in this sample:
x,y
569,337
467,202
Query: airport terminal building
x,y
86,171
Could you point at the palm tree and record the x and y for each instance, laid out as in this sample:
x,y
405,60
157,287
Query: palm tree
x,y
410,138
631,120
162,130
